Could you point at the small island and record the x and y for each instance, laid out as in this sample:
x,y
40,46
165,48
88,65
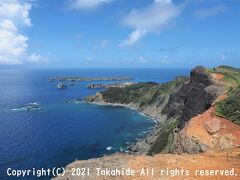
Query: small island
x,y
88,79
114,85
61,86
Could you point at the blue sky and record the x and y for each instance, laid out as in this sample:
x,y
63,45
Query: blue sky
x,y
119,33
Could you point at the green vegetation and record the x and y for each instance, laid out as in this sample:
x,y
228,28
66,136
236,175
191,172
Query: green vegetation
x,y
162,140
142,93
145,94
73,79
132,93
231,74
230,107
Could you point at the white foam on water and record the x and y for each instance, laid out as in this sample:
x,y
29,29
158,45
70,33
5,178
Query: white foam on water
x,y
109,148
19,109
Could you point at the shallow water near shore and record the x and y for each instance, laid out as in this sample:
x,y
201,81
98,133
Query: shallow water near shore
x,y
58,133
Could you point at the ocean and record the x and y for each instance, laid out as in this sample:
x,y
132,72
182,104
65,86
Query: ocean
x,y
58,133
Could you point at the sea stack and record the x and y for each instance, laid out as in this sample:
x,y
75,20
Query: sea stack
x,y
61,86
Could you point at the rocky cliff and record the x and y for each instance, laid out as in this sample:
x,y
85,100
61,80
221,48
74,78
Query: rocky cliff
x,y
149,98
194,97
173,103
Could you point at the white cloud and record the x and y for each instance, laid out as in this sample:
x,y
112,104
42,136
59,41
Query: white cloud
x,y
87,4
13,45
223,57
205,13
36,58
88,60
227,55
104,43
134,37
164,60
15,11
142,60
152,18
8,25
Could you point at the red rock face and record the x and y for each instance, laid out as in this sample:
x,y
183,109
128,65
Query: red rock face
x,y
210,132
207,131
213,126
217,76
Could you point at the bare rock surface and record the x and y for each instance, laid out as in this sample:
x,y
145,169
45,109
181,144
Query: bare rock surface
x,y
208,132
229,159
213,125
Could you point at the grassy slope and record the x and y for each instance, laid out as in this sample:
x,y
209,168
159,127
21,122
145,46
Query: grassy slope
x,y
164,137
231,75
142,93
145,94
230,107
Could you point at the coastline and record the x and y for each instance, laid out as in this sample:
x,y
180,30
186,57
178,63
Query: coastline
x,y
132,148
156,120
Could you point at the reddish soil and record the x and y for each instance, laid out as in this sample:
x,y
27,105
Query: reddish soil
x,y
222,160
216,132
161,163
217,76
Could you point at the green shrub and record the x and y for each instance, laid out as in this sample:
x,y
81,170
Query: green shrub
x,y
231,74
142,93
162,138
230,107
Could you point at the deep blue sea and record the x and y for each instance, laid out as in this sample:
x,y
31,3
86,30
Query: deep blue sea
x,y
59,133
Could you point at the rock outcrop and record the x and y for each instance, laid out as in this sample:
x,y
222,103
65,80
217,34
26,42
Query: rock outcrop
x,y
173,104
193,98
207,132
61,86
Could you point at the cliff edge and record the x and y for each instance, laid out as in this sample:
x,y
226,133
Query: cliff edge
x,y
173,104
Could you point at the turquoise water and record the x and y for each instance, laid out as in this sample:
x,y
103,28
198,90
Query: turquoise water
x,y
58,133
